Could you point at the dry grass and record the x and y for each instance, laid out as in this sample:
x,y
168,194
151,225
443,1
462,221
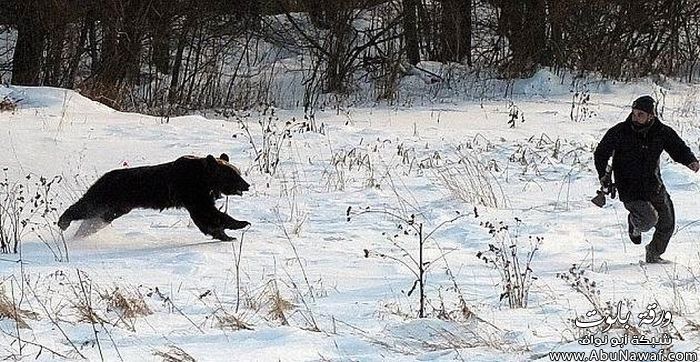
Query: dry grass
x,y
86,313
270,303
127,303
230,321
10,310
226,317
174,354
470,181
279,306
8,105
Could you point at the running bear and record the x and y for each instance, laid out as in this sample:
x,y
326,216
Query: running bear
x,y
190,182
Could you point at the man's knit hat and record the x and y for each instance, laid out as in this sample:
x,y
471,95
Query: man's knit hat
x,y
644,103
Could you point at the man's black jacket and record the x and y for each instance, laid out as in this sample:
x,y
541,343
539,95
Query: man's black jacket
x,y
636,159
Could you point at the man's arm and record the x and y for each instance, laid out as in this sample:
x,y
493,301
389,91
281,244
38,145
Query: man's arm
x,y
679,151
604,151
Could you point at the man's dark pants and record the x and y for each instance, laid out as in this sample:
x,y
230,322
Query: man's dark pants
x,y
658,212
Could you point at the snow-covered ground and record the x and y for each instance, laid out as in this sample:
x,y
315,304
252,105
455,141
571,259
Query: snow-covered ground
x,y
297,285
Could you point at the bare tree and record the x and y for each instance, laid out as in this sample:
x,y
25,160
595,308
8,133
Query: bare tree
x,y
456,30
522,22
410,29
31,37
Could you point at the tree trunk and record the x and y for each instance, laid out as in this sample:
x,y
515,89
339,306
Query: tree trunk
x,y
339,18
123,29
107,72
29,48
523,23
160,21
557,13
410,30
173,92
54,59
456,30
79,50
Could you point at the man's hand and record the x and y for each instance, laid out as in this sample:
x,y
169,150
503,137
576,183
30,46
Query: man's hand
x,y
695,166
605,183
607,187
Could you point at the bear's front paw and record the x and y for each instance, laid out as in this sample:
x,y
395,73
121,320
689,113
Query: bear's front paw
x,y
220,235
236,224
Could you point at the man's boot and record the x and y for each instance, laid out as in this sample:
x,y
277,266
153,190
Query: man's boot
x,y
653,258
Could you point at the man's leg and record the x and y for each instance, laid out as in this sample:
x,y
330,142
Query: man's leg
x,y
665,225
642,217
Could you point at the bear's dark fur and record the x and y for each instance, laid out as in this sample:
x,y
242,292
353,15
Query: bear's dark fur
x,y
193,183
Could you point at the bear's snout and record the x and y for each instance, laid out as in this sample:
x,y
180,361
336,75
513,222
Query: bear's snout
x,y
238,188
244,186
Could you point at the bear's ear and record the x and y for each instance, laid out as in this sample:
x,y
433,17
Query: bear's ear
x,y
211,161
224,157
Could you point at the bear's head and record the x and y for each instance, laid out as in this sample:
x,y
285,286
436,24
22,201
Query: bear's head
x,y
225,178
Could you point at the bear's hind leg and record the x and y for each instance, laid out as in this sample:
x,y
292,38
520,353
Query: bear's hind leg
x,y
79,211
67,217
113,214
90,226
